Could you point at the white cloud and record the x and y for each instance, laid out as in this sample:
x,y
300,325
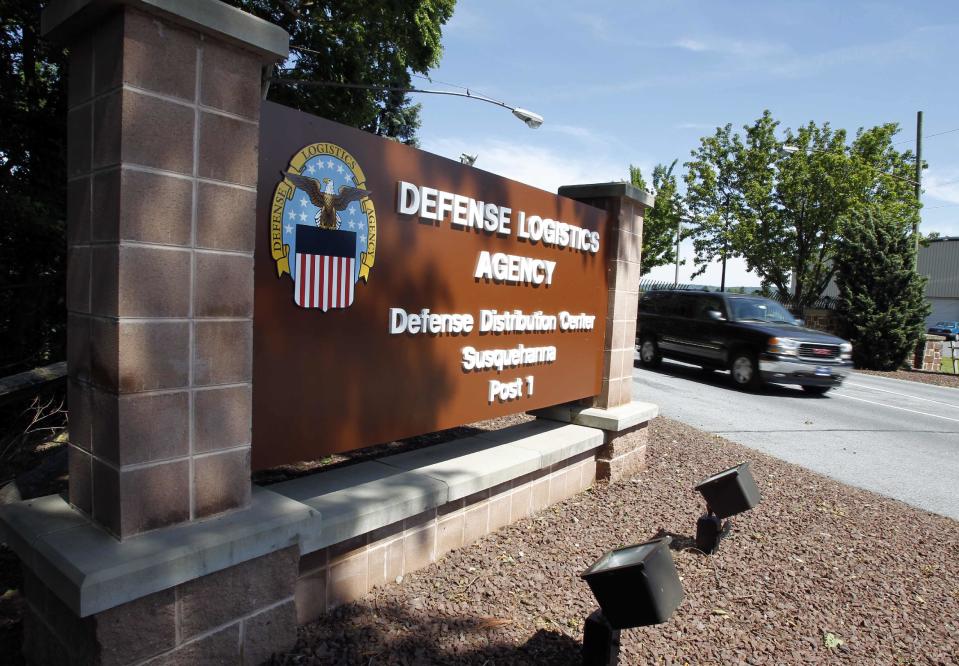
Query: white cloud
x,y
780,60
913,45
943,186
576,131
696,126
691,45
597,26
733,47
466,21
545,168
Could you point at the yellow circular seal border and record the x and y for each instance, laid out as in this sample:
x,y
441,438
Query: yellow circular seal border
x,y
284,192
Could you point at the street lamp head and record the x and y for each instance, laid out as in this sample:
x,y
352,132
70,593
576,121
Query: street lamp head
x,y
533,120
790,149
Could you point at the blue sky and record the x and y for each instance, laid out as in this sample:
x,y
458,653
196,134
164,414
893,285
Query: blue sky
x,y
637,82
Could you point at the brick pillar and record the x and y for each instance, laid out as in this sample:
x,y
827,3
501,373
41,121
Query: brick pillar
x,y
164,101
625,205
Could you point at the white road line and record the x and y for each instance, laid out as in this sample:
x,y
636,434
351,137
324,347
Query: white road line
x,y
882,404
905,395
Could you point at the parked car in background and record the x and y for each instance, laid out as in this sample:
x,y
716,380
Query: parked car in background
x,y
949,329
755,338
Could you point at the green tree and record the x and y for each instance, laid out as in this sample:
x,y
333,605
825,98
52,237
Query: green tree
x,y
662,220
782,211
378,42
32,191
881,297
713,197
375,42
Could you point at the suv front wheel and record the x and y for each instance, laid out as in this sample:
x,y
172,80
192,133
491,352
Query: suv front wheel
x,y
745,371
649,353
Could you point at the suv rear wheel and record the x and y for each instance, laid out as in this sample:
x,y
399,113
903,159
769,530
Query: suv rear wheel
x,y
649,353
745,370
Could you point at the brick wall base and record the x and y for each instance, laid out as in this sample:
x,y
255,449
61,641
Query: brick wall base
x,y
937,355
623,455
246,613
347,571
240,615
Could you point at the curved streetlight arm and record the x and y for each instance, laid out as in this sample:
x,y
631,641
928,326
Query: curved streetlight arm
x,y
533,120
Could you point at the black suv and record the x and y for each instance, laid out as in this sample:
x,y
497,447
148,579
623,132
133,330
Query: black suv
x,y
756,339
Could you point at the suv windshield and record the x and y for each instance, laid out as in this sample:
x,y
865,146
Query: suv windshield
x,y
759,309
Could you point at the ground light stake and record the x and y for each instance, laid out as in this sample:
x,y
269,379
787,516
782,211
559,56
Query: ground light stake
x,y
635,586
727,493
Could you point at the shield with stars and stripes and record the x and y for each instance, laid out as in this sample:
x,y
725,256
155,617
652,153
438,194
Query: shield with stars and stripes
x,y
325,265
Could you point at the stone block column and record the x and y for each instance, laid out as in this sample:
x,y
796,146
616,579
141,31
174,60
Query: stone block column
x,y
164,100
623,420
625,206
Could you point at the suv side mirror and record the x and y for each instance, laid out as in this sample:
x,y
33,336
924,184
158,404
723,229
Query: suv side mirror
x,y
800,321
716,315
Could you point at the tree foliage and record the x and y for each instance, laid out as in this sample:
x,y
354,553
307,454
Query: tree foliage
x,y
881,299
32,191
783,212
376,42
662,220
712,196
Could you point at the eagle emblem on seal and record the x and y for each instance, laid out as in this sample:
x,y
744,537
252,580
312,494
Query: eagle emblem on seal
x,y
323,227
322,196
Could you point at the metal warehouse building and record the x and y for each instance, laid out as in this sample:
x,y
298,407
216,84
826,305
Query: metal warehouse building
x,y
939,261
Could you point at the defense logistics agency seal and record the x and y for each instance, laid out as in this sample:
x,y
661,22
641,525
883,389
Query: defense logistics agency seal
x,y
323,227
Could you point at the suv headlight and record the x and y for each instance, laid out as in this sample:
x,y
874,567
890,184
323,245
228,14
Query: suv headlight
x,y
845,351
783,346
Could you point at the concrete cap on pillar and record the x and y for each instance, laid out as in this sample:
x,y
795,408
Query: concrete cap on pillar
x,y
64,18
608,191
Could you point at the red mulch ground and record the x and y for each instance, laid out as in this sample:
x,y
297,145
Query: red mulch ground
x,y
937,378
820,572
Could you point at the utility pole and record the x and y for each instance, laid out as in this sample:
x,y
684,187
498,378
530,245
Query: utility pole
x,y
915,224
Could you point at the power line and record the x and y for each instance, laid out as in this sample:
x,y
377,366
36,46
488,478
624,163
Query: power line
x,y
925,136
473,91
948,182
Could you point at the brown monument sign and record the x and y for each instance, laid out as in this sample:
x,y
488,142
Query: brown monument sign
x,y
398,292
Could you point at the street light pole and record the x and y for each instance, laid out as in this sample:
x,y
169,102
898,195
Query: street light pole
x,y
532,120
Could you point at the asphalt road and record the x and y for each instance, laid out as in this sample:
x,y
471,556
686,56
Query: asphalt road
x,y
894,437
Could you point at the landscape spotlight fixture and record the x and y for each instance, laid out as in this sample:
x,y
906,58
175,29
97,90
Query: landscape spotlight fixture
x,y
727,493
635,586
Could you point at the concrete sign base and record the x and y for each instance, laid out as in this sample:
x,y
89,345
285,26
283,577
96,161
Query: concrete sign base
x,y
302,548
